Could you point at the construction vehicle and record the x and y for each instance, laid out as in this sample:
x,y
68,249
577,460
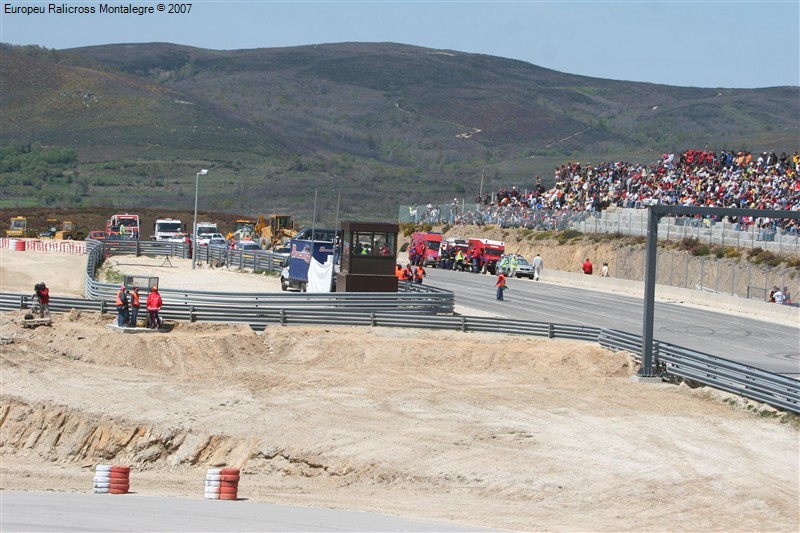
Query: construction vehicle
x,y
69,232
243,229
52,228
19,228
274,230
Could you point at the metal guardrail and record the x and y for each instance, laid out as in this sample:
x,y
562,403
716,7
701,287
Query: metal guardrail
x,y
421,299
674,362
262,310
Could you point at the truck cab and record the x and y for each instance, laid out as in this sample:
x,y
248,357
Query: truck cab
x,y
126,226
166,228
489,253
426,247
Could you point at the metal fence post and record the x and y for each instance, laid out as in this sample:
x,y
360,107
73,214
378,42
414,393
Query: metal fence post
x,y
686,273
551,333
283,317
191,314
702,271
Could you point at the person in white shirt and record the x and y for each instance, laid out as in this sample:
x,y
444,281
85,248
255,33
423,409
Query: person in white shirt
x,y
538,265
778,296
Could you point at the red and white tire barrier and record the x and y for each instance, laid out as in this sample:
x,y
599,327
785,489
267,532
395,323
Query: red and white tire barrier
x,y
222,484
112,479
16,245
64,247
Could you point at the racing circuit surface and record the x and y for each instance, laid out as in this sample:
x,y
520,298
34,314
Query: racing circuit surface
x,y
768,345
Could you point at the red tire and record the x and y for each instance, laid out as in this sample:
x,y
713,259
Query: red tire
x,y
228,477
119,475
230,471
228,490
125,486
120,468
118,491
228,497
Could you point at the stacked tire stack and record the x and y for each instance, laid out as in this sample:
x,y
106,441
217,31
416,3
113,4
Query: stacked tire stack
x,y
112,479
222,484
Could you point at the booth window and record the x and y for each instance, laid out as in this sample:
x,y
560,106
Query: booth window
x,y
372,243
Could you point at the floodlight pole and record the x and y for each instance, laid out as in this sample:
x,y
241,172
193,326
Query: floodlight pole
x,y
194,224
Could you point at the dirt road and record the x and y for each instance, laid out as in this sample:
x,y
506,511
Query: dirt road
x,y
494,430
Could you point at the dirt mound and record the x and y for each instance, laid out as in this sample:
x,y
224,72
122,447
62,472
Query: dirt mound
x,y
497,430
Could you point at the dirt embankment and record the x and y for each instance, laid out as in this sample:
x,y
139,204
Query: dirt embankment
x,y
519,433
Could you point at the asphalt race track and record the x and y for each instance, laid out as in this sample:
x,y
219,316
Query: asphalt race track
x,y
49,511
759,343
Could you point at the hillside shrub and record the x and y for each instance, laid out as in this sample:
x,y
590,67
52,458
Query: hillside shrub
x,y
567,235
765,257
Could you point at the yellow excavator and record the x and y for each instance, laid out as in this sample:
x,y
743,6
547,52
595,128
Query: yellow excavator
x,y
69,231
274,229
244,228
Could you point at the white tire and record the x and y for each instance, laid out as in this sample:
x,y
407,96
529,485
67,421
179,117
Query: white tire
x,y
103,468
213,483
214,471
101,491
213,477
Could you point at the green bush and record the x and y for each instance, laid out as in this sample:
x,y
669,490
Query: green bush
x,y
567,235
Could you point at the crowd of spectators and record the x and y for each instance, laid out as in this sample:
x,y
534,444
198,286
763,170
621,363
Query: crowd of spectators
x,y
700,178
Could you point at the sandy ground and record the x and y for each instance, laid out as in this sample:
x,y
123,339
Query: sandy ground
x,y
501,431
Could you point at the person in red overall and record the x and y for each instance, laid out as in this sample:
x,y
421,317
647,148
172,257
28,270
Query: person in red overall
x,y
154,304
501,285
43,295
587,267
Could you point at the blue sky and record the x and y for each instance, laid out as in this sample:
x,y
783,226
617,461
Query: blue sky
x,y
729,44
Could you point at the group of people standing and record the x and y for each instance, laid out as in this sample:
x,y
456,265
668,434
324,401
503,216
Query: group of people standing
x,y
128,304
410,273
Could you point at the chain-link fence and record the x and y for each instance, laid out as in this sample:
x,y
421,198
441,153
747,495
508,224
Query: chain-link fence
x,y
707,273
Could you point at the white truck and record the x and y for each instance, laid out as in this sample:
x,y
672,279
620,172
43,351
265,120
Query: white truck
x,y
207,227
166,228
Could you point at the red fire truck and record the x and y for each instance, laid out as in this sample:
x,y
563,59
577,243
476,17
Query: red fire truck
x,y
426,245
489,253
126,226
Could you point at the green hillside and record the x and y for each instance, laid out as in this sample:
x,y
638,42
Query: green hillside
x,y
382,124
